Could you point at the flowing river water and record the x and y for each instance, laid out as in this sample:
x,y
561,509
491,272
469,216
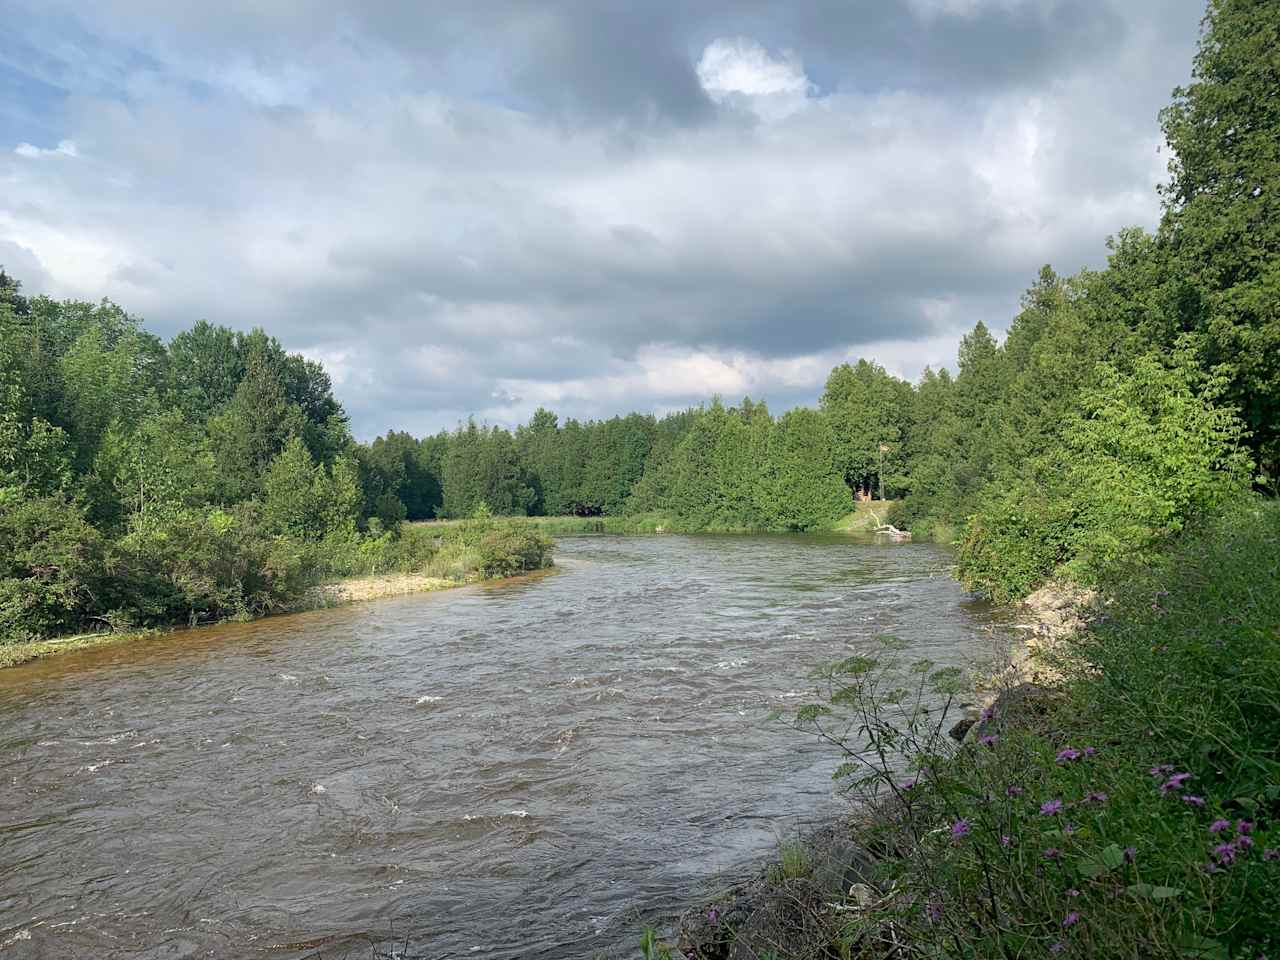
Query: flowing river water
x,y
528,769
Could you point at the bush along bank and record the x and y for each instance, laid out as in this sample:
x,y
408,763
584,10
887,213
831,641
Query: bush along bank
x,y
1132,810
221,566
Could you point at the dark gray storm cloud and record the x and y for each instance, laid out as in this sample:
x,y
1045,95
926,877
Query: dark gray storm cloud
x,y
596,206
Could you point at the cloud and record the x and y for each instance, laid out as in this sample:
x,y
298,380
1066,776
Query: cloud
x,y
65,148
739,70
479,210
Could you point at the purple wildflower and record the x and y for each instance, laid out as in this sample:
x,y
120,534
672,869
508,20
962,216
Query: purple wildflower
x,y
1097,796
1130,854
712,914
1069,829
1226,853
961,828
1006,841
1219,825
935,912
1052,853
987,740
1071,919
1193,800
1050,807
988,712
907,784
1160,769
1175,782
1069,754
1013,790
1271,853
1056,947
1073,892
1244,826
1090,751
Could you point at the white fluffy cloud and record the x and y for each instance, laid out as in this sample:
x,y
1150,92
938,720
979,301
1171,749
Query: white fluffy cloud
x,y
740,71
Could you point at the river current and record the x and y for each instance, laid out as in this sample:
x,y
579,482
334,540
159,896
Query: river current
x,y
529,769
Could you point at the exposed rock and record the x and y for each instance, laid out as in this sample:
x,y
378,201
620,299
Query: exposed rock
x,y
961,729
1058,609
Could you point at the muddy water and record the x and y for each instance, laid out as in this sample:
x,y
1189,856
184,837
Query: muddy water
x,y
532,769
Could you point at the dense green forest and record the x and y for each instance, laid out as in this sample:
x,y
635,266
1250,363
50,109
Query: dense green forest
x,y
145,482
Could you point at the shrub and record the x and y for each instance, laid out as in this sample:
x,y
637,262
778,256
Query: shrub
x,y
1149,451
197,566
52,568
512,549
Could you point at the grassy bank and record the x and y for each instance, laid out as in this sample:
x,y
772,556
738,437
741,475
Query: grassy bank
x,y
420,558
1131,811
865,516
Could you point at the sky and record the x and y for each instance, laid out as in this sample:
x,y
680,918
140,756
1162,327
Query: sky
x,y
477,209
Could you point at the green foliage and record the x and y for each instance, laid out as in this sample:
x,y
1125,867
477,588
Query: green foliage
x,y
1014,544
160,466
1135,812
304,500
1151,452
1147,453
803,487
1220,236
867,411
481,466
190,567
794,862
511,549
52,567
252,429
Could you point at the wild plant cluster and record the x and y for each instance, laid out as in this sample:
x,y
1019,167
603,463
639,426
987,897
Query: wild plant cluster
x,y
1131,811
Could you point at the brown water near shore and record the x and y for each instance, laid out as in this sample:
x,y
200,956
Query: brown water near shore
x,y
523,769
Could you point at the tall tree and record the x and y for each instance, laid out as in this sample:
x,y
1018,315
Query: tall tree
x,y
1221,226
867,410
807,490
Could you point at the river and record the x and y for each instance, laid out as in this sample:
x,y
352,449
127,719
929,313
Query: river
x,y
529,769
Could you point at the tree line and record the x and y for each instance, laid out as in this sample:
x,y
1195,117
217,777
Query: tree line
x,y
149,481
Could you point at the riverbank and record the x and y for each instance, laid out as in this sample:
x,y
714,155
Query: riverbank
x,y
862,520
1130,809
339,593
471,553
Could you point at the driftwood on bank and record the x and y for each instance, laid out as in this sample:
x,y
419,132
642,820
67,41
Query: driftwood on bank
x,y
893,532
888,529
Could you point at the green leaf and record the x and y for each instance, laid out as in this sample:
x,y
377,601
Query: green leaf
x,y
811,712
1112,855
